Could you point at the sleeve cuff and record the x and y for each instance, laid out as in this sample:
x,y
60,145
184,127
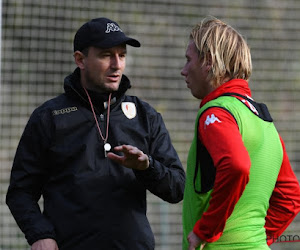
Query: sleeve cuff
x,y
205,236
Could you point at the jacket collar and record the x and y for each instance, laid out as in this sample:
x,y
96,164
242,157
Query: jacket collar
x,y
239,86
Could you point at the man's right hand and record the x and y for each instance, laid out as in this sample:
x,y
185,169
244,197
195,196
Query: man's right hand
x,y
44,244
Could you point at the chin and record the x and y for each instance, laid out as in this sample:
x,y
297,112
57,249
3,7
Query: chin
x,y
111,86
195,94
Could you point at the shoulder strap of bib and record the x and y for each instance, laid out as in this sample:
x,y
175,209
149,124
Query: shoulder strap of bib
x,y
259,109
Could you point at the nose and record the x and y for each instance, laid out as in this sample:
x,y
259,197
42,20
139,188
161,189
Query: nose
x,y
116,62
183,72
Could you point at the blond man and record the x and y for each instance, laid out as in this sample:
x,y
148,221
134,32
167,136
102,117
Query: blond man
x,y
240,192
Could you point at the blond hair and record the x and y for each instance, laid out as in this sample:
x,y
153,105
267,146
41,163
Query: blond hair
x,y
225,47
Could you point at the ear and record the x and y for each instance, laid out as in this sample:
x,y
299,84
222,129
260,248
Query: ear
x,y
208,63
79,59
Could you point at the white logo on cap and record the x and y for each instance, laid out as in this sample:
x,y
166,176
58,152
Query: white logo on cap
x,y
129,109
112,27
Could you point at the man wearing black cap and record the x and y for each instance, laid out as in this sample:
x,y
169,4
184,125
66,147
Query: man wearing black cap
x,y
92,153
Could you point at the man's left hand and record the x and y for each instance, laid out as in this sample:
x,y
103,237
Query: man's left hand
x,y
194,241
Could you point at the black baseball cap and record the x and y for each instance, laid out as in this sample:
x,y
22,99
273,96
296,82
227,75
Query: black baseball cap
x,y
103,33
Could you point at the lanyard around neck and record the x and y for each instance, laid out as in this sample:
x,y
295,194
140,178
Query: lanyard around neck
x,y
96,120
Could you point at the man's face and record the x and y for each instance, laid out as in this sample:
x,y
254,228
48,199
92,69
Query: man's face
x,y
195,73
102,69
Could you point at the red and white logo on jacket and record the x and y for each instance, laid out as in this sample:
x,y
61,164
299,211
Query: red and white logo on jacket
x,y
129,109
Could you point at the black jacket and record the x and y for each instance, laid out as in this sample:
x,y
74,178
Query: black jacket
x,y
90,202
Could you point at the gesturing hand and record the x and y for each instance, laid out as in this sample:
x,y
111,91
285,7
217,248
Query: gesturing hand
x,y
132,157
